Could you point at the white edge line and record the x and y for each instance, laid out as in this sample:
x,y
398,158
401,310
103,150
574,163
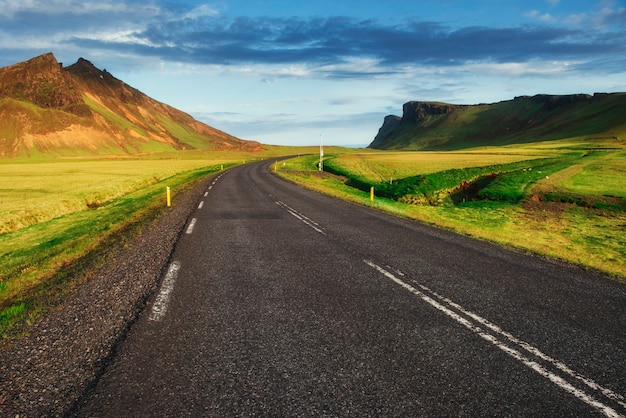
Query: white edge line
x,y
159,308
201,205
559,381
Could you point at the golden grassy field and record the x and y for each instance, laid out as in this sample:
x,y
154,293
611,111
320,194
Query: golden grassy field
x,y
387,166
32,193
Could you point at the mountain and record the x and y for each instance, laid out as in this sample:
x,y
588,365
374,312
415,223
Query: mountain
x,y
46,109
443,126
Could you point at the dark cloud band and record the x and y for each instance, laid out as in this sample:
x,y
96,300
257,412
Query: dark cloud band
x,y
174,35
334,40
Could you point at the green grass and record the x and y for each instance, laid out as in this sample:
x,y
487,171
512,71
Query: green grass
x,y
506,182
603,177
507,204
119,121
183,133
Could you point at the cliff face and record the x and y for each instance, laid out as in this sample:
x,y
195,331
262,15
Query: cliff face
x,y
414,113
440,126
418,111
45,108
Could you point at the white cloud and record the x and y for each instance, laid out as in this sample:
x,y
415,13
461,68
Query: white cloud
x,y
521,69
535,14
128,36
55,7
200,11
576,20
607,16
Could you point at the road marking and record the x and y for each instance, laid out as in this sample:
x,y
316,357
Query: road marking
x,y
533,350
206,194
191,226
306,220
201,205
210,187
429,297
159,309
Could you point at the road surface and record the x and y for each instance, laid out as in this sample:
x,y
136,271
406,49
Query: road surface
x,y
279,301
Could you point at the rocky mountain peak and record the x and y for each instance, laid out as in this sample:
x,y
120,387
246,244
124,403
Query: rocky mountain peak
x,y
41,81
103,82
85,69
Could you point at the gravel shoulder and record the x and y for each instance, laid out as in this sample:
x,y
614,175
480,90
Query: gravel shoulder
x,y
46,372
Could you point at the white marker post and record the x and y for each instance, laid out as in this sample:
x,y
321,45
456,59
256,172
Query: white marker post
x,y
321,165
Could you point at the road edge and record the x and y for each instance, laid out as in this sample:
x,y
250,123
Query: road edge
x,y
46,372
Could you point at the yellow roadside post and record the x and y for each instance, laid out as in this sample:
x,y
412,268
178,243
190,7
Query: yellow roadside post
x,y
372,194
168,196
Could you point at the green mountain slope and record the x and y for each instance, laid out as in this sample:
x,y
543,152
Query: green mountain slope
x,y
440,126
49,110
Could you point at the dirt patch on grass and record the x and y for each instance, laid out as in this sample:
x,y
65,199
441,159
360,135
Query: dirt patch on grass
x,y
536,204
554,199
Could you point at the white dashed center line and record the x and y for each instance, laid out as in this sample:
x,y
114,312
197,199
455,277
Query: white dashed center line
x,y
306,220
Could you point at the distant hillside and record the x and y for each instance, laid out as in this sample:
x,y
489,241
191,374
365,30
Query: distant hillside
x,y
49,110
442,126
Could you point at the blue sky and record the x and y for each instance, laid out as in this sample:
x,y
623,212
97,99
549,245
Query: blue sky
x,y
293,72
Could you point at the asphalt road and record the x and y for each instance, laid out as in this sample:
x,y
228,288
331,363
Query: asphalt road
x,y
279,301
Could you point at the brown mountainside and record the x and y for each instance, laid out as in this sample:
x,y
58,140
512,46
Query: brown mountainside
x,y
46,109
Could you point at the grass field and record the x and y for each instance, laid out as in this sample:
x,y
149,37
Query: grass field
x,y
379,167
31,193
564,199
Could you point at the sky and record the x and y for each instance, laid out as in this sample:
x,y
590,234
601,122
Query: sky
x,y
293,72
